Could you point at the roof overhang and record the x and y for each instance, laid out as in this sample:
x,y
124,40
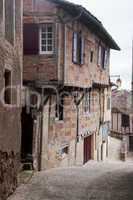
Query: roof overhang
x,y
89,20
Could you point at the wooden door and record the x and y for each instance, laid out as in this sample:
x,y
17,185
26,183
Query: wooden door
x,y
87,149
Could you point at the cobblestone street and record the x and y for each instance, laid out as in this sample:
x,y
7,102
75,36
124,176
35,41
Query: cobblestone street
x,y
95,181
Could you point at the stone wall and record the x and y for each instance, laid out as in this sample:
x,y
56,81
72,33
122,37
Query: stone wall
x,y
10,117
114,148
8,174
58,134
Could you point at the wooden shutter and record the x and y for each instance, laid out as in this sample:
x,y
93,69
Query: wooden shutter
x,y
106,60
31,39
75,49
103,57
99,55
82,51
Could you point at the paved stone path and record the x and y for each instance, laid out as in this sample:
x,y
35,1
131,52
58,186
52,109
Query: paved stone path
x,y
95,181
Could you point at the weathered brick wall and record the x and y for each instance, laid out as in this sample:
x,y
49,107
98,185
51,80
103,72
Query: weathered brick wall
x,y
10,118
62,67
83,75
40,68
28,5
63,133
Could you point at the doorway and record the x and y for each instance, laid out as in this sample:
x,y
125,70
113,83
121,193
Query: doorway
x,y
27,136
87,149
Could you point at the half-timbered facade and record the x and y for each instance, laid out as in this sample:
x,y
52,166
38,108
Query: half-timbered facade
x,y
66,79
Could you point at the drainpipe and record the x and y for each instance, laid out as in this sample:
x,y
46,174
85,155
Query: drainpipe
x,y
77,103
77,131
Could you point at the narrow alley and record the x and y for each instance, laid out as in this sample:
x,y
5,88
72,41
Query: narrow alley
x,y
94,181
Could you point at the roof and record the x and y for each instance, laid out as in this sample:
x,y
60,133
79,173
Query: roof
x,y
121,100
89,20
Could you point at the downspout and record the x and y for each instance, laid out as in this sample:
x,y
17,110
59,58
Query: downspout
x,y
77,103
77,131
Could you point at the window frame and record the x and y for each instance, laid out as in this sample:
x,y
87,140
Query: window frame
x,y
78,48
41,52
103,57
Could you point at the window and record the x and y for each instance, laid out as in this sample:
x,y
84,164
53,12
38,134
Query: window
x,y
65,150
78,49
103,57
10,20
46,39
125,120
59,109
87,102
91,56
7,94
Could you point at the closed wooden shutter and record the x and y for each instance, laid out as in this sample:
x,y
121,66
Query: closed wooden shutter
x,y
99,55
31,39
75,49
82,51
106,60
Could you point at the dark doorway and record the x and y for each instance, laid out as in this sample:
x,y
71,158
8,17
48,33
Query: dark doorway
x,y
131,143
87,149
27,136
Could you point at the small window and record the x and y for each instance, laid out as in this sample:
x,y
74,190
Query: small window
x,y
78,48
46,39
59,109
91,56
86,102
7,94
65,150
125,120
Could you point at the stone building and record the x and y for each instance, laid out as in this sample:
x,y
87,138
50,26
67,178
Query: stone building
x,y
66,102
10,85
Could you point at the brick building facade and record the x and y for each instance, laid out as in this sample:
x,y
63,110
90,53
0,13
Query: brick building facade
x,y
10,76
66,55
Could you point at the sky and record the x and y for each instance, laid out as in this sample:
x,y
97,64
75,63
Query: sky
x,y
117,18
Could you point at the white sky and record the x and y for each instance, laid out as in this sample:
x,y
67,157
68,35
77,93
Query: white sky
x,y
117,18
